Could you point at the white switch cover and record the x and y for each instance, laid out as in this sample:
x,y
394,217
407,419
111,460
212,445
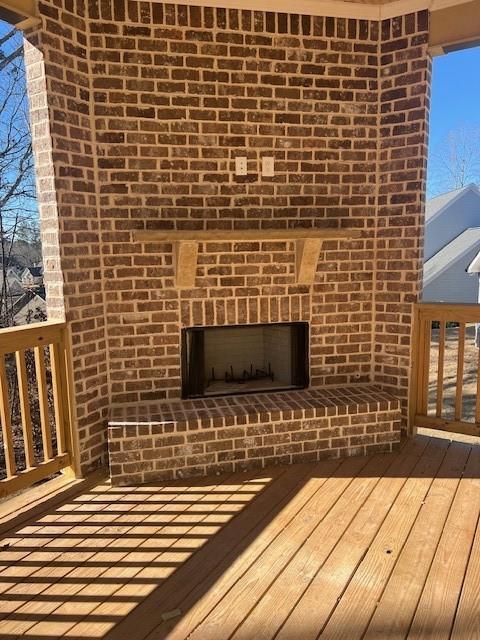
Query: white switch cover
x,y
268,167
241,166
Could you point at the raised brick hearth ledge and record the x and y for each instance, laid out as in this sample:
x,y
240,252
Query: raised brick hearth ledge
x,y
204,436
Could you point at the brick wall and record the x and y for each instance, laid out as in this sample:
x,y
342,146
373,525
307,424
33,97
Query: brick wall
x,y
189,89
58,77
149,105
405,69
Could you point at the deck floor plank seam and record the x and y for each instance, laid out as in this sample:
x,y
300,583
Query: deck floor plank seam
x,y
248,590
13,542
225,489
442,589
358,600
467,625
167,599
7,627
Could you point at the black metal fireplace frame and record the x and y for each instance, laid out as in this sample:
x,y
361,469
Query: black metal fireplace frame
x,y
193,378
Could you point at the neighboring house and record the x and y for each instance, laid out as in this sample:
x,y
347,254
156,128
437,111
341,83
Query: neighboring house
x,y
474,270
13,273
445,277
14,287
32,276
452,240
24,304
448,215
30,307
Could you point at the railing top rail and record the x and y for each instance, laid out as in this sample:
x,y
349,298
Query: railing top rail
x,y
464,312
30,335
434,306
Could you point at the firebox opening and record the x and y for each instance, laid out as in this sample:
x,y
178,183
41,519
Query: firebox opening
x,y
244,359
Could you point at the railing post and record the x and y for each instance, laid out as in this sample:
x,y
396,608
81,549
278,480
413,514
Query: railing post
x,y
68,404
10,466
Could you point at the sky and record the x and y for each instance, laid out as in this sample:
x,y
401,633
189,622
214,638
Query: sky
x,y
455,98
455,92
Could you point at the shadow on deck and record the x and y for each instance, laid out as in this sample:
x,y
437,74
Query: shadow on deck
x,y
381,547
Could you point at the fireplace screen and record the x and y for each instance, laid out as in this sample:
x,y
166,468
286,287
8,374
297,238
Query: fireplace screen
x,y
244,359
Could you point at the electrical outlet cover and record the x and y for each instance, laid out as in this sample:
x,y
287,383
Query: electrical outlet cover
x,y
241,166
268,166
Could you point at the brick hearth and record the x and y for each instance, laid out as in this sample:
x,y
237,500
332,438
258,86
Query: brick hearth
x,y
202,436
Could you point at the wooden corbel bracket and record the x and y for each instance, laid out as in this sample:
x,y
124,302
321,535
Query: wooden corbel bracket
x,y
308,244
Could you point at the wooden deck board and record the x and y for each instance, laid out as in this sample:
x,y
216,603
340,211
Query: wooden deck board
x,y
435,614
269,614
180,517
323,592
372,548
467,625
359,600
239,559
358,564
205,523
394,613
238,602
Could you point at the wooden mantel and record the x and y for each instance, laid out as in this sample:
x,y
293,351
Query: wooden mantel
x,y
308,244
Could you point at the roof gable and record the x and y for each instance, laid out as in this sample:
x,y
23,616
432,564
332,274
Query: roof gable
x,y
435,206
453,251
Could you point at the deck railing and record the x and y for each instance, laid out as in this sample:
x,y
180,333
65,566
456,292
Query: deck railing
x,y
35,411
445,385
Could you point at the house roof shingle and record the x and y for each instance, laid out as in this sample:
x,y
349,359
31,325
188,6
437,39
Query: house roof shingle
x,y
35,271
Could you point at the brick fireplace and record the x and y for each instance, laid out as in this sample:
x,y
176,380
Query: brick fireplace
x,y
147,113
232,360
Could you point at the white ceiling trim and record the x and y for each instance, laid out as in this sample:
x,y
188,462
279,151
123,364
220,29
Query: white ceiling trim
x,y
331,8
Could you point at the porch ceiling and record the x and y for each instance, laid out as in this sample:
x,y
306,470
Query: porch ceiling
x,y
454,24
23,13
20,13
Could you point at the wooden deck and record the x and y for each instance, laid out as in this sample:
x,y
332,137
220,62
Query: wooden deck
x,y
372,548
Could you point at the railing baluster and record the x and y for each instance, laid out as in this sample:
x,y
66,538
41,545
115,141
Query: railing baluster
x,y
56,367
424,364
465,408
18,341
460,365
43,402
6,422
25,408
440,369
477,399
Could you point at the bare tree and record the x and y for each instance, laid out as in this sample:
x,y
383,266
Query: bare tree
x,y
455,162
18,210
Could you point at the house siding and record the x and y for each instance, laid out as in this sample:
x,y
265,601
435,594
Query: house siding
x,y
450,223
454,284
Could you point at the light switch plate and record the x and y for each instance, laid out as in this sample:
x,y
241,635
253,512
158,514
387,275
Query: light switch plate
x,y
241,166
268,166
